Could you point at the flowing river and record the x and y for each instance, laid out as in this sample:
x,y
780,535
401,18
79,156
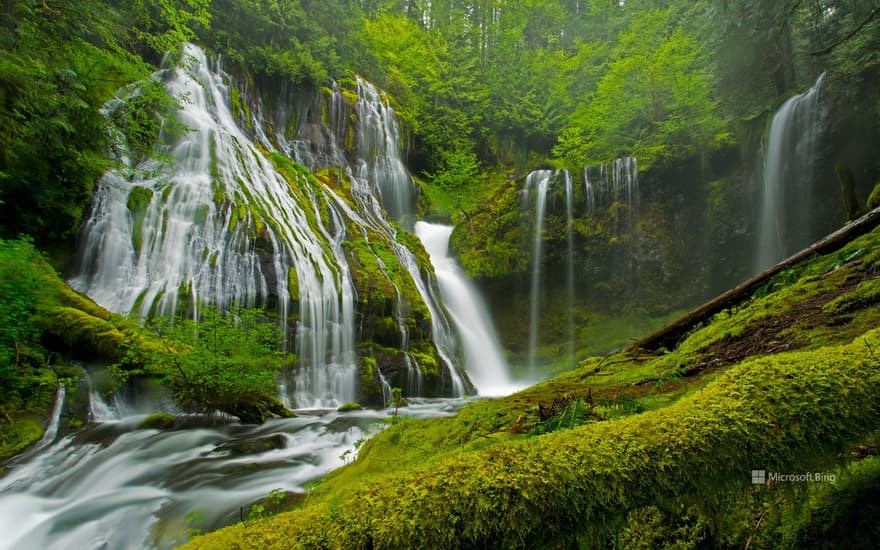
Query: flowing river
x,y
115,486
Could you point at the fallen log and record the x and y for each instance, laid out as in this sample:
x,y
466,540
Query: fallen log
x,y
670,335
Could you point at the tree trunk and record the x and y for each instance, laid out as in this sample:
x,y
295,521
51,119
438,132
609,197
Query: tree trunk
x,y
669,336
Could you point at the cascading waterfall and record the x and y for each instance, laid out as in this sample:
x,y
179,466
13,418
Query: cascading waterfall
x,y
222,226
54,420
790,151
382,187
589,192
617,184
536,184
483,359
378,145
620,184
569,238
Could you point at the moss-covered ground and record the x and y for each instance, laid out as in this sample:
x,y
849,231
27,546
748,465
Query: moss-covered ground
x,y
646,449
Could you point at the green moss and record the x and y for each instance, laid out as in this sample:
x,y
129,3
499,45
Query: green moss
x,y
866,294
565,488
18,435
348,407
293,284
427,363
369,370
874,198
76,327
350,96
200,216
138,201
158,421
486,239
844,514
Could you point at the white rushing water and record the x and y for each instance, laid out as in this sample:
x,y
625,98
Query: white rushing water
x,y
483,359
569,274
115,486
789,155
537,183
221,225
51,431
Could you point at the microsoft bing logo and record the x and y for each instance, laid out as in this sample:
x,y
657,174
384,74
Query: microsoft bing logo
x,y
761,477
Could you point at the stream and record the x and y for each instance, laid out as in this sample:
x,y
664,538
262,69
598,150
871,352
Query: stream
x,y
114,486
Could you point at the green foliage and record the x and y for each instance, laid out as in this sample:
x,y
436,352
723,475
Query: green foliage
x,y
224,361
18,302
563,413
164,26
267,506
348,407
143,111
654,102
487,243
60,63
193,520
458,169
17,436
396,400
304,43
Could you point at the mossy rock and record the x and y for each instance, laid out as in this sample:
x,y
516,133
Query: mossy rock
x,y
18,435
139,199
874,198
158,421
348,407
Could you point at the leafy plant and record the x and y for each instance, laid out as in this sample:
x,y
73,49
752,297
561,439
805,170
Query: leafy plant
x,y
222,361
194,519
565,412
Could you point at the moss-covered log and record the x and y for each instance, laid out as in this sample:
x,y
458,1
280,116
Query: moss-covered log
x,y
671,334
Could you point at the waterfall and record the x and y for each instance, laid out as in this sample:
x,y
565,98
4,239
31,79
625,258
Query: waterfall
x,y
483,358
789,155
589,192
569,220
99,409
382,188
221,225
378,143
536,184
226,222
54,420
